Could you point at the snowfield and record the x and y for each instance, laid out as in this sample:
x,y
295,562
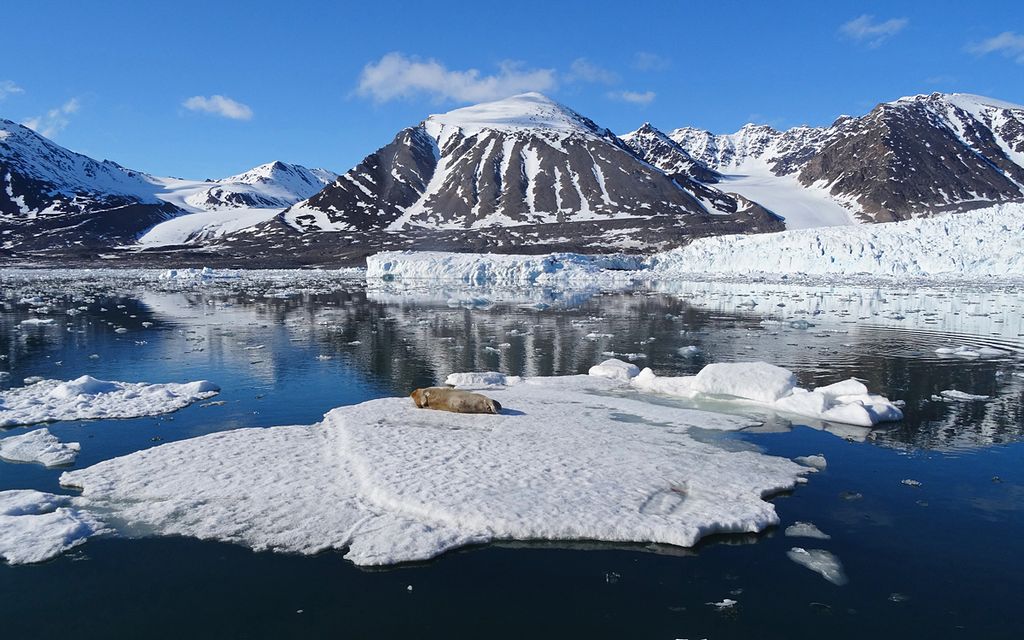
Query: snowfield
x,y
977,245
87,398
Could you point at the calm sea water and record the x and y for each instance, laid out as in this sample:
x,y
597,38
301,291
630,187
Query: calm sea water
x,y
944,559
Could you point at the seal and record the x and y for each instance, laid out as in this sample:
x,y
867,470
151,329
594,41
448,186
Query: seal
x,y
454,400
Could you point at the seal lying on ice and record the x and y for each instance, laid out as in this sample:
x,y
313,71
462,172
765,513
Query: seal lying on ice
x,y
455,400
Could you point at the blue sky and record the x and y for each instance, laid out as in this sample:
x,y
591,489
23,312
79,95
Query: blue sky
x,y
205,89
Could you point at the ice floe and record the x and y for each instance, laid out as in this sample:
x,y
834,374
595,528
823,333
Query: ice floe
x,y
822,562
568,459
959,396
39,446
36,526
806,530
972,352
87,398
763,384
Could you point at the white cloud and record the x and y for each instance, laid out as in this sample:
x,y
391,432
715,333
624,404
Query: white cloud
x,y
635,97
648,61
397,76
53,121
8,88
866,29
583,70
1008,43
220,106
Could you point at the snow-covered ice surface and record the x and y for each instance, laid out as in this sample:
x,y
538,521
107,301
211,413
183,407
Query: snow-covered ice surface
x,y
806,530
204,225
39,446
802,207
88,398
36,526
567,459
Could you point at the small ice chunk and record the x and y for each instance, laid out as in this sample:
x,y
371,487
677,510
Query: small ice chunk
x,y
37,321
911,482
726,603
39,446
816,461
690,351
961,396
821,562
806,530
754,380
615,369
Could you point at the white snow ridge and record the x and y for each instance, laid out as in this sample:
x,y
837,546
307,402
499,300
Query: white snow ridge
x,y
87,398
390,483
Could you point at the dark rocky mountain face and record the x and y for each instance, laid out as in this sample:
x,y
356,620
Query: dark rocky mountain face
x,y
524,161
920,156
52,197
915,156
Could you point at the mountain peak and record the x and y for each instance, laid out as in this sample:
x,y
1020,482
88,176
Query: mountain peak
x,y
523,111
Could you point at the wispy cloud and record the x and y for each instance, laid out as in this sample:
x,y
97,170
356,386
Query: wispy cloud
x,y
1007,43
583,70
220,106
53,121
397,76
867,30
8,88
648,61
634,97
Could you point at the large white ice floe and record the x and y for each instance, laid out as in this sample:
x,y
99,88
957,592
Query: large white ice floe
x,y
569,458
39,446
765,385
36,526
87,398
822,562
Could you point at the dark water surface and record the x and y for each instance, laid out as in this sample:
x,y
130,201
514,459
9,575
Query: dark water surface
x,y
942,560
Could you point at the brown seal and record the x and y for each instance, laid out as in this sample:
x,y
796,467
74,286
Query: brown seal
x,y
454,400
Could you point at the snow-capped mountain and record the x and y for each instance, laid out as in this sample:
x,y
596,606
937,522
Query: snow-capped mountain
x,y
915,156
272,185
522,161
50,196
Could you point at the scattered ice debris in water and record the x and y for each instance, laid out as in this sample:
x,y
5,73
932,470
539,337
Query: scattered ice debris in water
x,y
911,483
816,461
391,483
598,336
120,330
88,398
851,495
898,597
39,446
806,530
958,396
821,562
147,324
972,352
766,385
408,588
726,603
611,577
690,351
324,356
36,526
215,403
